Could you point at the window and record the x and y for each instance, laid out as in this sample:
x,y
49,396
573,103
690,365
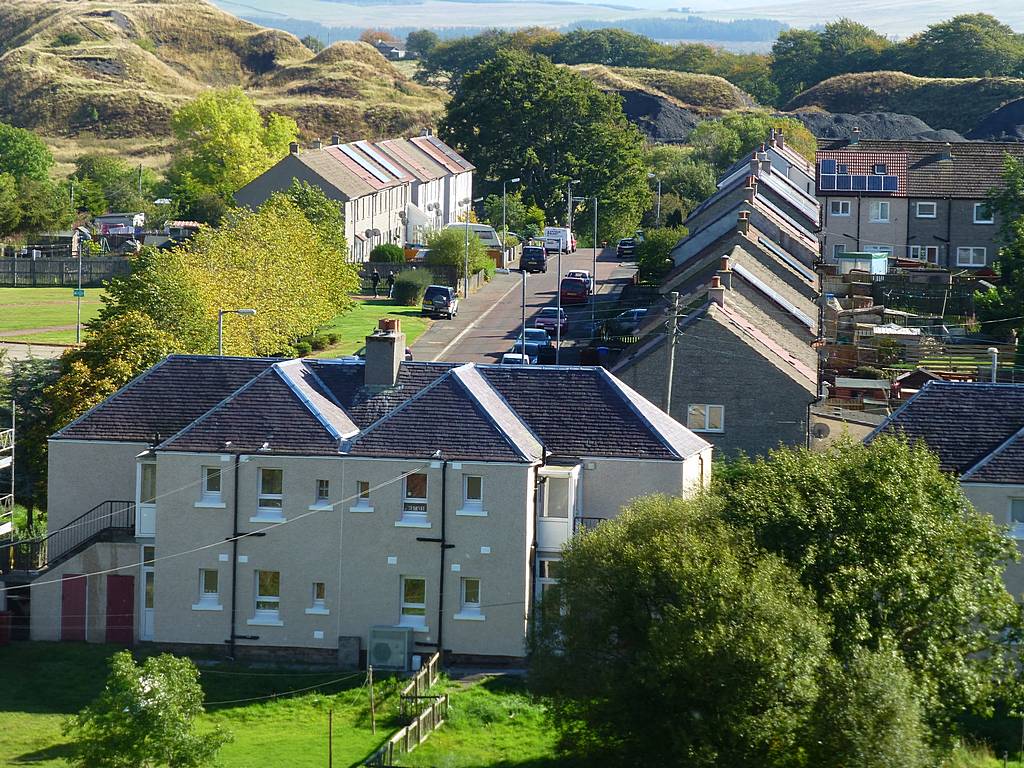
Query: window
x,y
319,594
705,418
469,606
414,502
838,249
879,212
209,590
271,485
211,485
839,207
362,501
472,493
970,257
268,595
147,484
929,253
927,210
323,490
878,169
1017,518
549,571
842,169
414,602
983,213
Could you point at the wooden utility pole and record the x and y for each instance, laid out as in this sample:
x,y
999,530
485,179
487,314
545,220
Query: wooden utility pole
x,y
673,334
373,713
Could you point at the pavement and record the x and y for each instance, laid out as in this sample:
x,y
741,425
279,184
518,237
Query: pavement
x,y
491,319
21,350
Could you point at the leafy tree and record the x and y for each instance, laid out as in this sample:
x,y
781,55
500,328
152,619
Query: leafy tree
x,y
692,181
715,143
117,182
848,46
372,36
521,115
968,45
144,718
753,129
44,205
894,553
520,218
388,252
448,248
654,253
315,44
1001,307
327,216
24,383
794,64
10,204
421,42
671,641
223,143
613,47
23,154
868,716
450,60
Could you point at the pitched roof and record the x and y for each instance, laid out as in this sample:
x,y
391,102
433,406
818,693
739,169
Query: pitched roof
x,y
975,167
165,399
965,423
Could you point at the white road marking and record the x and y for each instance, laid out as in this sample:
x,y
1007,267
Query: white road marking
x,y
472,325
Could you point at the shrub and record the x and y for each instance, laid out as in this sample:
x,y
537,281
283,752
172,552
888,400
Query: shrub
x,y
318,343
332,338
146,44
303,348
410,286
388,252
68,38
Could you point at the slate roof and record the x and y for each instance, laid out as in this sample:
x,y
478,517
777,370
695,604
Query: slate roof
x,y
974,427
975,167
165,399
322,407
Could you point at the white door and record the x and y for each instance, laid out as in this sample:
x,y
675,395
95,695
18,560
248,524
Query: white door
x,y
148,576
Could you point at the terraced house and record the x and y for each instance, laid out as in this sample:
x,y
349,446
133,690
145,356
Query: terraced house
x,y
321,508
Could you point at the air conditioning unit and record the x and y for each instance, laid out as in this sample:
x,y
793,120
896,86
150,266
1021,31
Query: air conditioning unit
x,y
390,648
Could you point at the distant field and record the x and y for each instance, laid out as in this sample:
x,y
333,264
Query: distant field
x,y
54,309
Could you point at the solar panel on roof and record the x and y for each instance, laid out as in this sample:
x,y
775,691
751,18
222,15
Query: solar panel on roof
x,y
449,152
842,182
874,183
379,159
365,164
828,181
890,183
828,166
860,183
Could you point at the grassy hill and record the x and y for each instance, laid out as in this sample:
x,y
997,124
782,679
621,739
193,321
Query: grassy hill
x,y
88,71
702,94
957,103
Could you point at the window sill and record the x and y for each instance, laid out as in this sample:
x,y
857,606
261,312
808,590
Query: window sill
x,y
412,524
318,611
264,622
708,431
209,505
207,607
357,508
469,617
471,512
267,519
419,628
321,506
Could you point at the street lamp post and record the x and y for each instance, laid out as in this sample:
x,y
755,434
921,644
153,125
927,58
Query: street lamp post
x,y
504,226
657,208
220,324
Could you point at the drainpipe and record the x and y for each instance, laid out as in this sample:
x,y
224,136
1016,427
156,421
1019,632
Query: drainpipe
x,y
234,558
532,610
444,547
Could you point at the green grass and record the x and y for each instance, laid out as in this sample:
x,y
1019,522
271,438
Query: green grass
x,y
27,308
46,682
495,722
353,327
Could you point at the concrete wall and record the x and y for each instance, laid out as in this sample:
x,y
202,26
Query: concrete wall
x,y
612,484
965,233
82,474
994,500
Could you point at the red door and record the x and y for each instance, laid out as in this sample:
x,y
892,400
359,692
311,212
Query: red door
x,y
72,607
120,609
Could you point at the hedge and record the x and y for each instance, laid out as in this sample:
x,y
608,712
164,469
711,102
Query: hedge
x,y
410,285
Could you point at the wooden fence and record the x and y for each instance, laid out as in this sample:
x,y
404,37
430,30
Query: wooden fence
x,y
422,720
61,272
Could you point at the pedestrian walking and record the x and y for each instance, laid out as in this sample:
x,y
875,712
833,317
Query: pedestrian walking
x,y
375,281
391,283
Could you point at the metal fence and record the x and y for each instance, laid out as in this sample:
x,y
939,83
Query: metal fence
x,y
423,720
61,272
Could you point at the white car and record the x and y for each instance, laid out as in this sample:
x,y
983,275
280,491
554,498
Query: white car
x,y
515,358
582,274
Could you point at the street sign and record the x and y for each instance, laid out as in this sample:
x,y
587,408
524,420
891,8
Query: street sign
x,y
79,292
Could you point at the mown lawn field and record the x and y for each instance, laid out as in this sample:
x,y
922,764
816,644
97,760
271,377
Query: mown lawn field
x,y
353,327
24,309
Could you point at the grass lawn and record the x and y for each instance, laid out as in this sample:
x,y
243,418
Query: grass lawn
x,y
43,683
353,327
26,308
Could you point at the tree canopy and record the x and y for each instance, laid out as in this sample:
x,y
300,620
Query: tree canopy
x,y
23,154
1001,307
447,247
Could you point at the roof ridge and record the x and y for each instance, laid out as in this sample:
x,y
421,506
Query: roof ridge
x,y
459,371
748,336
994,453
401,406
281,367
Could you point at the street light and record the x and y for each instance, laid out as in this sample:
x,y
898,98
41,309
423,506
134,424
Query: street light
x,y
220,324
504,226
657,210
465,276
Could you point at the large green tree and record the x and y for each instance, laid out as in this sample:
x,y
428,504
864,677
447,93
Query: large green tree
x,y
1001,307
968,45
671,641
23,154
521,115
447,248
145,717
894,554
117,185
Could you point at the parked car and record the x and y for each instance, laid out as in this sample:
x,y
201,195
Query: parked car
x,y
574,291
626,323
559,238
532,350
538,336
549,319
626,247
582,274
440,301
514,358
534,259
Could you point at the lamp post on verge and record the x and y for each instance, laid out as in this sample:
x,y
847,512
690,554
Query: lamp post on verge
x,y
504,226
220,324
657,207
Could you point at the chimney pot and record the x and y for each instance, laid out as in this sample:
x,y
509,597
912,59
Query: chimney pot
x,y
855,135
723,265
716,292
318,144
335,139
293,148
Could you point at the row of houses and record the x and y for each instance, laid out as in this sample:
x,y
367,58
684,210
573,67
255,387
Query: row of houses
x,y
393,191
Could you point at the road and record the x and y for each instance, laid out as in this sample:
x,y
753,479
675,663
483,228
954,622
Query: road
x,y
491,320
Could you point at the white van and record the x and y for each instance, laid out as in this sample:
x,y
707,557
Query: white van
x,y
559,238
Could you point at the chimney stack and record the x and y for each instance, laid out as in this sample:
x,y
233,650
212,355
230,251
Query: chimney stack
x,y
947,153
764,161
743,222
724,274
335,139
716,292
293,148
855,136
751,190
780,139
385,351
318,144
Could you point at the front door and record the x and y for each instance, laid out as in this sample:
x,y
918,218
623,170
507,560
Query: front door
x,y
120,609
72,607
148,576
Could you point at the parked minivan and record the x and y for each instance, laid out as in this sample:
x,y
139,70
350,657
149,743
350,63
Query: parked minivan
x,y
559,238
440,301
534,259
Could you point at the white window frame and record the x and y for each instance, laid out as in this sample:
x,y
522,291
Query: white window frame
x,y
1016,528
209,497
362,500
318,599
971,251
208,601
878,169
472,507
469,610
321,496
263,614
875,212
838,249
414,619
412,515
269,506
934,208
691,410
147,467
978,207
839,207
926,253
